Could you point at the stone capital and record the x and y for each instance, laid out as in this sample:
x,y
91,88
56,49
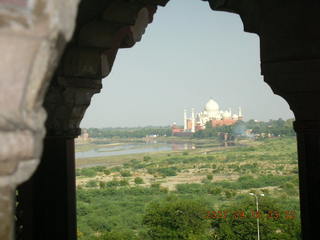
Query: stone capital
x,y
298,82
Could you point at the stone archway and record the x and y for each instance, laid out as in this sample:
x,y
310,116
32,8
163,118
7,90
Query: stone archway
x,y
33,37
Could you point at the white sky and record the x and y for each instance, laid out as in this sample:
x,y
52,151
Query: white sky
x,y
188,55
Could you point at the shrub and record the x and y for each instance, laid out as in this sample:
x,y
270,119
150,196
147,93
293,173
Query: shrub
x,y
102,184
113,183
213,190
155,185
146,158
99,168
88,172
205,181
151,170
92,183
126,165
138,166
209,176
185,153
190,188
107,172
168,171
138,180
176,219
134,161
125,173
115,169
227,194
123,182
119,235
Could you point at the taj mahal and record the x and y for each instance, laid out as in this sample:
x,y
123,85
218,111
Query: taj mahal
x,y
211,114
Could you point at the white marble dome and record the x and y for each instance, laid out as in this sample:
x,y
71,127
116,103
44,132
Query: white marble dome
x,y
212,106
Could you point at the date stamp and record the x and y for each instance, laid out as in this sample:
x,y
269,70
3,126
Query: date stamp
x,y
242,214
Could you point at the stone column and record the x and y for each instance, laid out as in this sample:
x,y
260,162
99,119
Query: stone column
x,y
301,88
48,201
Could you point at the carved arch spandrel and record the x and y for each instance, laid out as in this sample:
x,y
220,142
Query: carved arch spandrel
x,y
90,57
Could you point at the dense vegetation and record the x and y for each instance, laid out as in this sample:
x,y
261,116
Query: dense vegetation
x,y
128,132
250,128
173,196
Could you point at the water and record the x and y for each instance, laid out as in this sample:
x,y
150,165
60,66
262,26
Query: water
x,y
134,148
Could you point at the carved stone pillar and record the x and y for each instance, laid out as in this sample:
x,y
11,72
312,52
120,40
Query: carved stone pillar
x,y
301,88
48,199
290,64
32,37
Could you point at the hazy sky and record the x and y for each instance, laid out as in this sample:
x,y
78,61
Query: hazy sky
x,y
188,55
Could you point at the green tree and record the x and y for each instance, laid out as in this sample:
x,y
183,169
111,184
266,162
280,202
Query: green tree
x,y
138,180
176,219
118,235
276,223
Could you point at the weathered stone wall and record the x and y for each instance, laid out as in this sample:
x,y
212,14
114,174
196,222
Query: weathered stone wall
x,y
33,34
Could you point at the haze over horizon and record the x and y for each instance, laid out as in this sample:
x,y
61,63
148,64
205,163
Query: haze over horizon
x,y
188,55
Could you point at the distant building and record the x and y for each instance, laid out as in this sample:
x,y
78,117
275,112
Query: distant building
x,y
84,137
211,114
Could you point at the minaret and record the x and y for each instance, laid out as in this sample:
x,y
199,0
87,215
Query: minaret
x,y
193,121
185,120
240,114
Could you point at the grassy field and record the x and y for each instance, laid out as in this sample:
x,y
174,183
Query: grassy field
x,y
114,198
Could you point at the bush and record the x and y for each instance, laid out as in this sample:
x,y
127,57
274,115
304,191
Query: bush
x,y
107,172
168,171
113,183
92,183
176,219
210,177
119,235
146,158
102,184
155,185
185,153
125,173
151,170
123,182
88,172
138,166
99,168
138,180
240,226
213,189
115,169
190,188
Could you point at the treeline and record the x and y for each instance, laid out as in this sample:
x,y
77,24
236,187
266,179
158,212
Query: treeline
x,y
129,132
250,128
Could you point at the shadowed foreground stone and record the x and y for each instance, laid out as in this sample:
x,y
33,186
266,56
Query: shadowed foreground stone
x,y
32,37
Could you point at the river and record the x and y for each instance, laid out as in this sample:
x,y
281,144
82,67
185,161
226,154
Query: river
x,y
134,148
